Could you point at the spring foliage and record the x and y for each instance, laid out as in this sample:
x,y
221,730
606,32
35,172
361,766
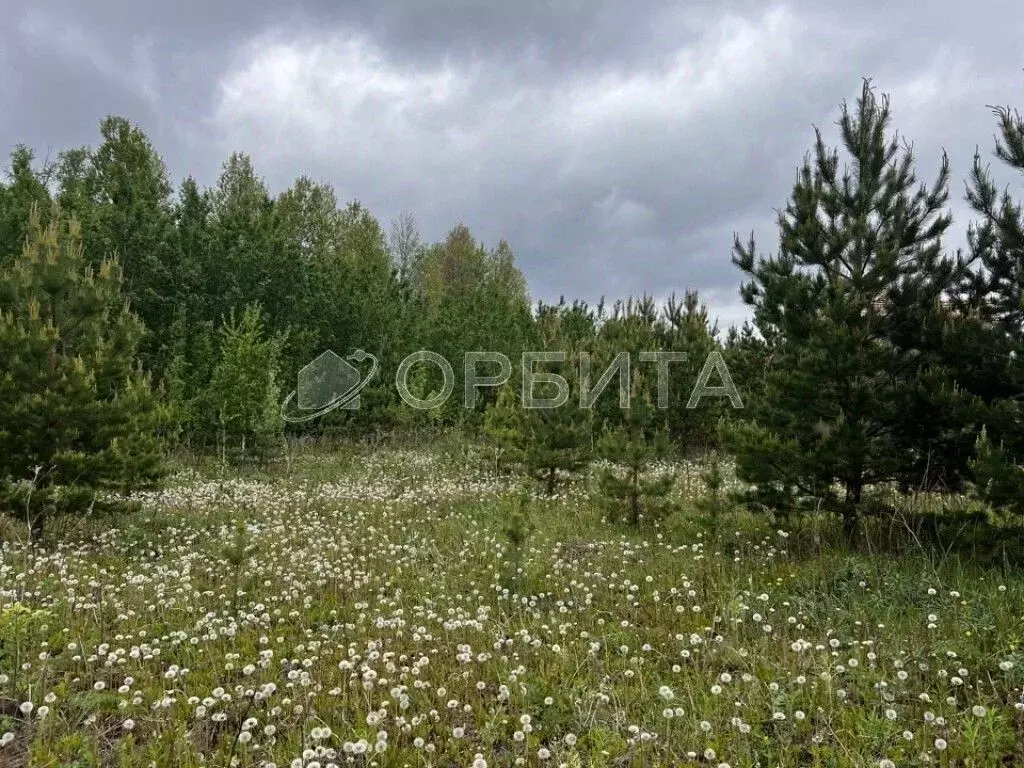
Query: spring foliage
x,y
79,413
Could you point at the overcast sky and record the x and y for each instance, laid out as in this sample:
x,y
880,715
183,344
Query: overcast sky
x,y
617,146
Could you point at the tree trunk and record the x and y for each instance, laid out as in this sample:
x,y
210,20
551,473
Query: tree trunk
x,y
851,509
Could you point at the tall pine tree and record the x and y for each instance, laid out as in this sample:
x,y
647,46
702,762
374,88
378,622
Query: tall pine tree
x,y
995,297
859,275
78,413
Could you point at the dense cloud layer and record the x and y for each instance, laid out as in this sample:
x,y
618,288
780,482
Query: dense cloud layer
x,y
616,146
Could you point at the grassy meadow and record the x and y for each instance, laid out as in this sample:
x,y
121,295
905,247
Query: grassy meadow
x,y
394,608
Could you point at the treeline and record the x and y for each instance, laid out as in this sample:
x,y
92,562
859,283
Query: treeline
x,y
237,289
137,314
231,272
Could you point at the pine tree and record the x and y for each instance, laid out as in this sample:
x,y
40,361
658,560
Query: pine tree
x,y
997,239
993,354
79,414
559,439
557,444
858,279
745,353
505,427
636,437
551,441
687,328
998,478
631,329
637,442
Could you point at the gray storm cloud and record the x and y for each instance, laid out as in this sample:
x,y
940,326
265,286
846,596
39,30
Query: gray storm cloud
x,y
616,147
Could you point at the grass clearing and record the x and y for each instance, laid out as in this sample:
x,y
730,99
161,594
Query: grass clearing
x,y
374,609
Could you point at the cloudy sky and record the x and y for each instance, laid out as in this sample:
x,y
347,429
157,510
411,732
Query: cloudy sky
x,y
617,146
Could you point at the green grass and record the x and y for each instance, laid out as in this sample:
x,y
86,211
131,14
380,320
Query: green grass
x,y
235,621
